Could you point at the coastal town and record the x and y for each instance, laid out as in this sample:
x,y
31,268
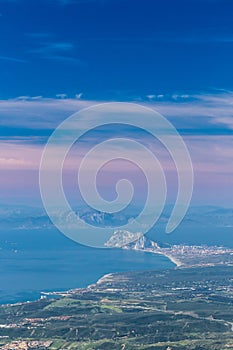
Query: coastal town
x,y
129,310
180,255
201,281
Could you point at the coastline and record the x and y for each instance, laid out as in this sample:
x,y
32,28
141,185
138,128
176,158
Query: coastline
x,y
106,276
175,261
109,275
32,296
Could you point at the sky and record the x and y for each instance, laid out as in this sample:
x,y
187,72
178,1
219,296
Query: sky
x,y
59,56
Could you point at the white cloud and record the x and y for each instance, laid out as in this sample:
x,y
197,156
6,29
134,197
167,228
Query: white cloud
x,y
78,96
28,98
19,156
150,97
45,113
61,96
153,97
51,47
57,50
12,59
195,113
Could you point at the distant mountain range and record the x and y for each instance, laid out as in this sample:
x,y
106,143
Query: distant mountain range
x,y
33,218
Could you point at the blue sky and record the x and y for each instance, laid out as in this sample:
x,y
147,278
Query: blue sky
x,y
58,56
114,48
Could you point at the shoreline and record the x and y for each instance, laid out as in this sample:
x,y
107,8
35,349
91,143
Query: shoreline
x,y
174,260
44,294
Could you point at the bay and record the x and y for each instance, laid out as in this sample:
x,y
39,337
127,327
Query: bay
x,y
32,261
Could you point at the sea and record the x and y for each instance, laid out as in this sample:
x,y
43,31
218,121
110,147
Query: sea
x,y
44,260
35,261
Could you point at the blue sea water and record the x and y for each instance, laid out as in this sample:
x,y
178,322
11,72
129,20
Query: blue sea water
x,y
38,260
32,261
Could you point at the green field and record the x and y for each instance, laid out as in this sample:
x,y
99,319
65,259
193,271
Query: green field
x,y
174,309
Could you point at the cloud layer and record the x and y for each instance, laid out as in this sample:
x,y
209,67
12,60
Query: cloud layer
x,y
205,121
